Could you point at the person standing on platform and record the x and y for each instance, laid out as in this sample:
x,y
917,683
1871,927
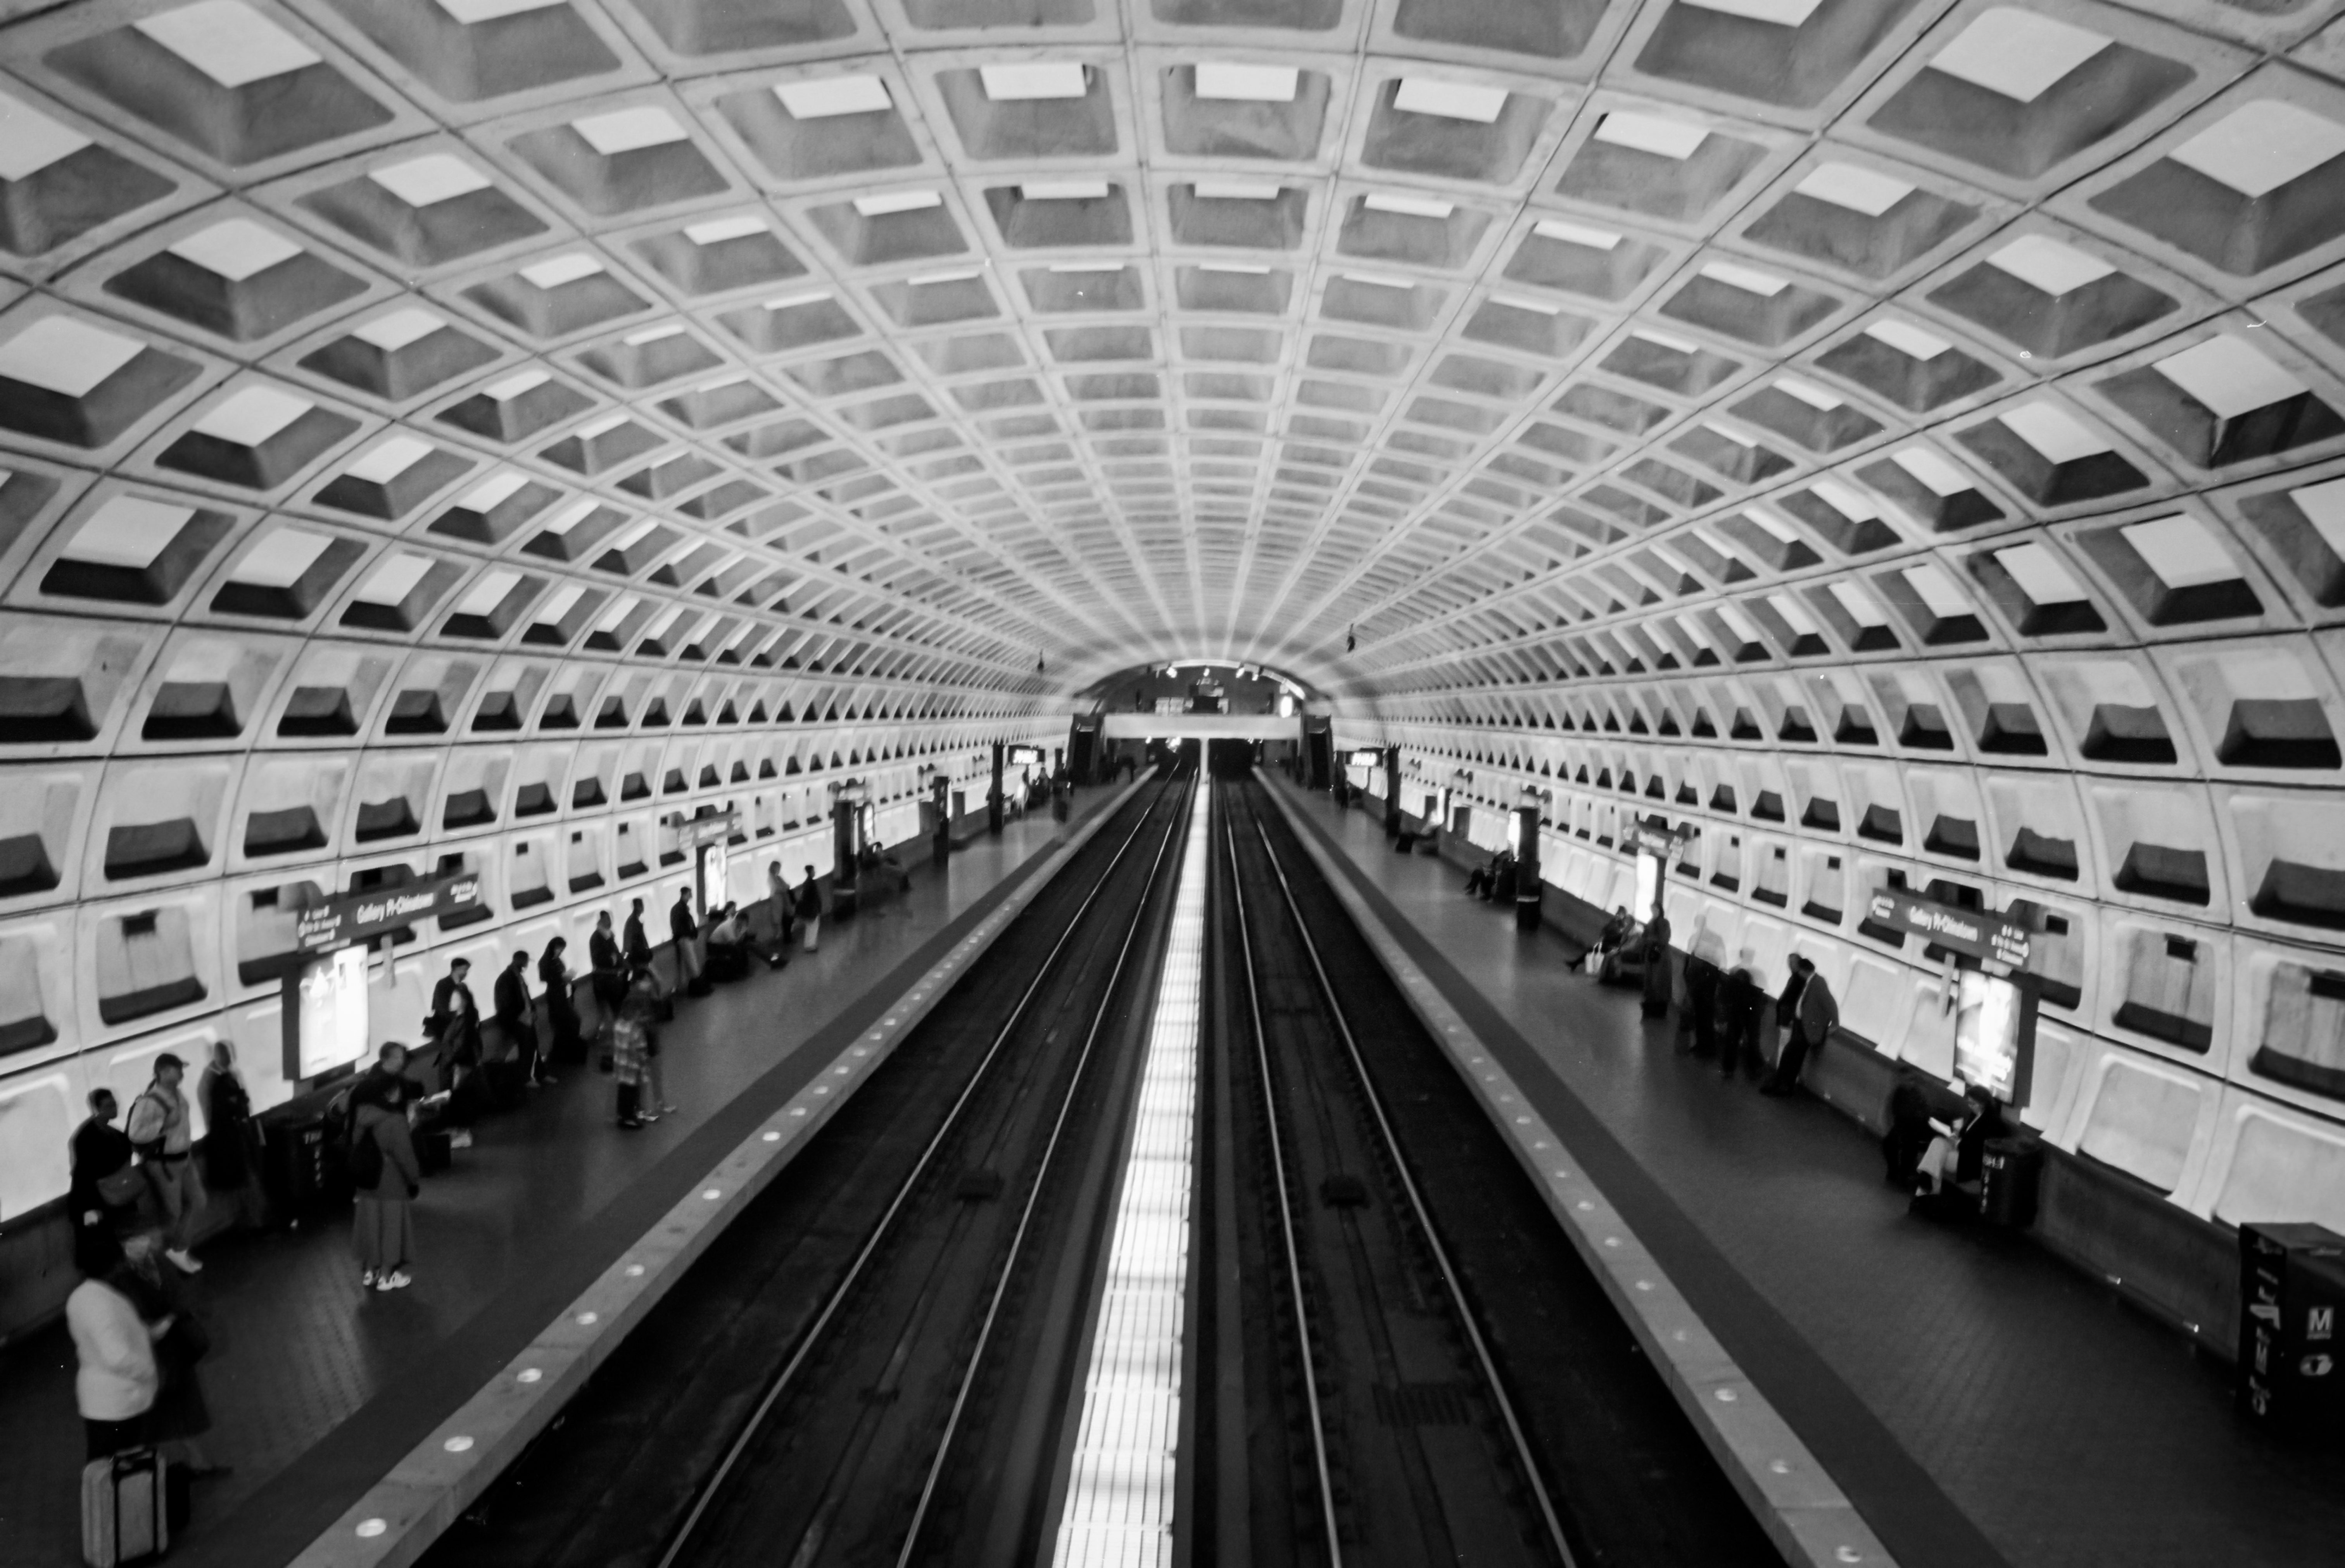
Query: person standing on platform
x,y
554,985
1657,965
631,1035
610,976
517,1018
456,1020
180,1415
1813,1018
777,894
686,931
810,911
637,944
160,1131
385,1179
99,1149
1702,984
226,1148
1787,1004
115,1375
1740,1002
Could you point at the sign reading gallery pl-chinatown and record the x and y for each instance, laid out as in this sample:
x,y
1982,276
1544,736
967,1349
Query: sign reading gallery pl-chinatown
x,y
691,832
1967,931
340,922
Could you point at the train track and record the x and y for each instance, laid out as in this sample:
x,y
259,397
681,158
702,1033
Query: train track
x,y
1448,1383
868,1420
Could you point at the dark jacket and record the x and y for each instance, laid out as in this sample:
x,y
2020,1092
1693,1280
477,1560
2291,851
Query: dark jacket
x,y
603,952
1818,1011
1787,1001
809,901
96,1149
456,1020
637,946
228,1110
401,1177
512,1000
680,923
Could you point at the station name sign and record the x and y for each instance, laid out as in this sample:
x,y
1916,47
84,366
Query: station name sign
x,y
341,922
1643,838
1368,758
1967,931
692,831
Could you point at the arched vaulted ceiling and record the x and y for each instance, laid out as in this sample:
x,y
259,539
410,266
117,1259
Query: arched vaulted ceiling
x,y
385,384
995,332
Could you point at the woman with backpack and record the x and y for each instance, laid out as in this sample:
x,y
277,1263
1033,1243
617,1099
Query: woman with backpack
x,y
384,1176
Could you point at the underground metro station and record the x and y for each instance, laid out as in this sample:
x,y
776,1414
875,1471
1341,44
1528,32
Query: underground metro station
x,y
1190,783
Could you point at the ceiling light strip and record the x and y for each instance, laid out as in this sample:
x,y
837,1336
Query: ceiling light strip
x,y
1119,1489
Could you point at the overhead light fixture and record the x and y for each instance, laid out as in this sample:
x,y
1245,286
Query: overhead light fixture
x,y
1063,189
1907,338
1243,269
824,98
2018,54
1450,100
718,230
1033,79
553,273
629,130
1581,234
430,179
1863,190
1408,206
893,201
1378,279
1223,79
924,279
792,301
1748,280
654,333
1238,189
1677,140
1525,302
1669,340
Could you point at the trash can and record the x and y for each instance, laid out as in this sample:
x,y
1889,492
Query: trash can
x,y
2291,1294
2009,1172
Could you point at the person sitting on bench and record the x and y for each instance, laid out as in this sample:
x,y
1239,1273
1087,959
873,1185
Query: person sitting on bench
x,y
728,945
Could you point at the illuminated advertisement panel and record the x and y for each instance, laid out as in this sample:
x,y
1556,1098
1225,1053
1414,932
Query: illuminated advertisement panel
x,y
332,1013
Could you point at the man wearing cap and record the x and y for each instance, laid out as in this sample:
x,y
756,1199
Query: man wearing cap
x,y
158,1131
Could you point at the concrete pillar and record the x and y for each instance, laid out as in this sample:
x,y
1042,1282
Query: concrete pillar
x,y
1526,868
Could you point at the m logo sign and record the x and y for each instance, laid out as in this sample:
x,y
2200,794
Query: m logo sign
x,y
2320,1324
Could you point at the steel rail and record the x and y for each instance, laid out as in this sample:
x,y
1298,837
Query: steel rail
x,y
1286,1204
1033,1196
1489,1368
714,1483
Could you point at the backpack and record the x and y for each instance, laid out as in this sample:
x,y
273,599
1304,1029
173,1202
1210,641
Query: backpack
x,y
365,1160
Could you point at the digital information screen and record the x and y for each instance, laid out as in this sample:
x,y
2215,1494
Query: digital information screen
x,y
1990,1034
333,1014
1369,758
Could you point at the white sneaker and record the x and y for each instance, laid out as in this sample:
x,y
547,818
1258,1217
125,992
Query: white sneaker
x,y
396,1279
183,1264
460,1139
366,1278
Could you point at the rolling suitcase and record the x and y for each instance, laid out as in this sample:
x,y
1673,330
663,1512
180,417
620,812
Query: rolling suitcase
x,y
124,1514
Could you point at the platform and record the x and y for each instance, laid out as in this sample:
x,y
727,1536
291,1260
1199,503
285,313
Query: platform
x,y
1981,1401
317,1388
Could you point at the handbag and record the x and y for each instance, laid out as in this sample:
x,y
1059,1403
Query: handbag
x,y
124,1187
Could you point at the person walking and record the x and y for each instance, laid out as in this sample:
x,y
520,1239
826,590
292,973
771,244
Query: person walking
x,y
104,1183
1813,1016
160,1131
1787,1004
226,1153
517,1019
115,1374
385,1178
686,931
564,1042
810,912
1740,1002
1656,964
